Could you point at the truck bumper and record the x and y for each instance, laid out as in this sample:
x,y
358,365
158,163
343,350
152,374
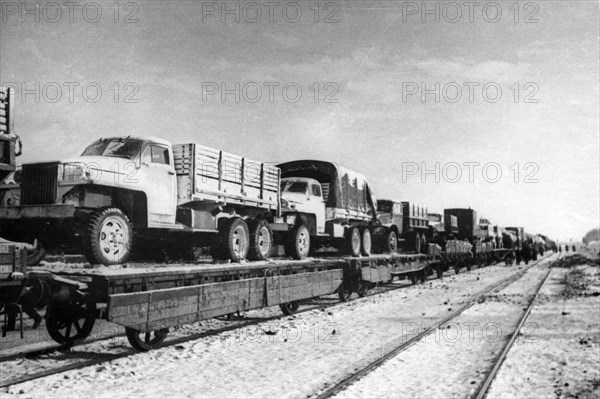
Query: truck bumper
x,y
37,212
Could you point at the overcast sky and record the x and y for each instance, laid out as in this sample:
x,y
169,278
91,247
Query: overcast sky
x,y
343,83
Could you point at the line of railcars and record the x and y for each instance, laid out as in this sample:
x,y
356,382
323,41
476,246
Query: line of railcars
x,y
321,221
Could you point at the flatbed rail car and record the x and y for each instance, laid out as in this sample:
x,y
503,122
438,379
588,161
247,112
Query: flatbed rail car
x,y
147,301
13,265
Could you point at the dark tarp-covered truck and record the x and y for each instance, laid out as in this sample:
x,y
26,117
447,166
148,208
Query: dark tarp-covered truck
x,y
326,204
468,226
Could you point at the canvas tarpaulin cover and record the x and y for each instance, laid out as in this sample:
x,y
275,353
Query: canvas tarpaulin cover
x,y
347,189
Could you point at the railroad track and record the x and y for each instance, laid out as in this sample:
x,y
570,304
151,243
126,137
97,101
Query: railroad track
x,y
101,358
354,377
482,390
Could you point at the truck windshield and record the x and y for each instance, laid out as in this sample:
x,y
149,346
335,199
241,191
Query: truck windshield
x,y
114,148
384,206
297,187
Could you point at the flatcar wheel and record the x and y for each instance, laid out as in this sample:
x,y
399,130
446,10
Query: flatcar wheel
x,y
289,308
413,278
344,293
439,272
144,341
422,276
363,290
71,322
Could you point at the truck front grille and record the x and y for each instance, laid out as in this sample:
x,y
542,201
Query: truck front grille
x,y
39,183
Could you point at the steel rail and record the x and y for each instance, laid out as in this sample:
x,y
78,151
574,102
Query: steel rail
x,y
354,377
485,386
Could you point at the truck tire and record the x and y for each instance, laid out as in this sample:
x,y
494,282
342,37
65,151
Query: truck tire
x,y
35,256
390,243
298,242
424,247
365,239
235,239
108,237
353,243
417,247
261,240
215,247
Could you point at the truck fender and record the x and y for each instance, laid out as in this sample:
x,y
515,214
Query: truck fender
x,y
310,221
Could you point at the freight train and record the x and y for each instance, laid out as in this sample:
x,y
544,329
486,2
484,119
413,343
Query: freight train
x,y
123,192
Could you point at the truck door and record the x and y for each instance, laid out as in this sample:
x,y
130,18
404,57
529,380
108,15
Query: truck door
x,y
159,185
318,205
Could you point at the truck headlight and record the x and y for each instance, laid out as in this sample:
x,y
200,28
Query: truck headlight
x,y
73,172
285,204
17,177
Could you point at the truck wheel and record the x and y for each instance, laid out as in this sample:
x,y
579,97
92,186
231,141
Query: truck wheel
x,y
261,240
391,242
353,242
109,237
235,239
365,235
424,247
417,243
35,256
298,242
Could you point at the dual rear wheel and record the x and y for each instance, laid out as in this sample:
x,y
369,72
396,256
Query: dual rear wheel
x,y
358,241
420,243
238,240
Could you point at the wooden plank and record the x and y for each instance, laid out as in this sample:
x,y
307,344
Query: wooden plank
x,y
151,310
281,289
326,282
376,274
130,310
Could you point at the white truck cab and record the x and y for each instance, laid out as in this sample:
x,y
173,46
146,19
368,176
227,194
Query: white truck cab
x,y
142,164
301,195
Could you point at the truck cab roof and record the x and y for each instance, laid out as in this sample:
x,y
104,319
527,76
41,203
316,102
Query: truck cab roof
x,y
152,139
